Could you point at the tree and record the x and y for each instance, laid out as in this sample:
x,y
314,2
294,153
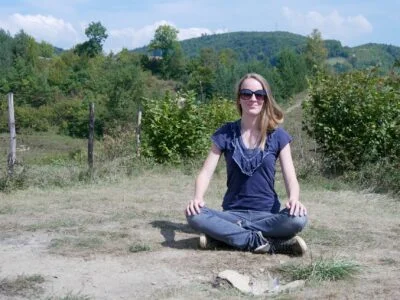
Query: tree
x,y
97,34
315,52
166,40
292,70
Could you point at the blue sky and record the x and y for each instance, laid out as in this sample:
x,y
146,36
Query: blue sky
x,y
131,24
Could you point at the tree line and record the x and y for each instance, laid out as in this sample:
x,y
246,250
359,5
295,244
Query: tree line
x,y
53,88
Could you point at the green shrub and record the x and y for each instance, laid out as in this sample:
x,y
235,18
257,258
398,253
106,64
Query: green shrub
x,y
176,128
354,118
36,119
217,112
72,118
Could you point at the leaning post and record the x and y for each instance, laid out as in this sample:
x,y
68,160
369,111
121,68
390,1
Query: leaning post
x,y
12,157
138,131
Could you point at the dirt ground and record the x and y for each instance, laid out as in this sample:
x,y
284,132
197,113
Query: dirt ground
x,y
129,240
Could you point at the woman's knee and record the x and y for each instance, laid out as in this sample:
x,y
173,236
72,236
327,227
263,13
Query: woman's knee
x,y
197,221
297,223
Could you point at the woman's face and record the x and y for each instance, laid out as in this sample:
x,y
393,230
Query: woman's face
x,y
252,106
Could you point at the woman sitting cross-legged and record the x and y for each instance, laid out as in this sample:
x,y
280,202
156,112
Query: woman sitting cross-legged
x,y
251,218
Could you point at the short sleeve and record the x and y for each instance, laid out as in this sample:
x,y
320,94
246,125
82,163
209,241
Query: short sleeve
x,y
223,136
282,138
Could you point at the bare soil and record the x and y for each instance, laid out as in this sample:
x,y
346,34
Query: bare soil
x,y
130,240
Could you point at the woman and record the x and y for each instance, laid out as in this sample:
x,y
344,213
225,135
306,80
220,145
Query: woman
x,y
251,218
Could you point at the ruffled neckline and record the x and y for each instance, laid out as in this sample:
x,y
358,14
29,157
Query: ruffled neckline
x,y
250,161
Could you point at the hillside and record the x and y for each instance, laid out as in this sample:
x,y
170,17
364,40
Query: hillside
x,y
247,45
250,46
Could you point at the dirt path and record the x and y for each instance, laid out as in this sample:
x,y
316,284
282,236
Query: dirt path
x,y
87,242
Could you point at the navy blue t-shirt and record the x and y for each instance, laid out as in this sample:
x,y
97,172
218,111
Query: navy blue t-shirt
x,y
251,172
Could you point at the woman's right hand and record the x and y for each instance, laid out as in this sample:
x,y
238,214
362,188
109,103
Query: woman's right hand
x,y
194,207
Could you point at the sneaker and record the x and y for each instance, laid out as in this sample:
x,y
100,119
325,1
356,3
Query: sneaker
x,y
207,242
203,241
295,246
265,247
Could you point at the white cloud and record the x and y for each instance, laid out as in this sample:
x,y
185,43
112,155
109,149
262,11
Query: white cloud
x,y
133,38
188,33
332,25
46,28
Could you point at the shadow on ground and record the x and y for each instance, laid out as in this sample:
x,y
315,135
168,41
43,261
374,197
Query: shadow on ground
x,y
168,230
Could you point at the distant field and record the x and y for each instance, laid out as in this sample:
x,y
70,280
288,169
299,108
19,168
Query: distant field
x,y
41,147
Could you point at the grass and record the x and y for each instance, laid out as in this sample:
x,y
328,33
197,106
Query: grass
x,y
71,296
139,248
322,235
23,285
131,206
77,243
322,270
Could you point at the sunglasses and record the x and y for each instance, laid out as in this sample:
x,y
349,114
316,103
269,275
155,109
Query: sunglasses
x,y
246,94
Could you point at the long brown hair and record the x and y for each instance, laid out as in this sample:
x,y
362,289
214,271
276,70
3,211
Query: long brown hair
x,y
271,114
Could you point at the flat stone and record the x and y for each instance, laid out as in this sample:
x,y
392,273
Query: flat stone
x,y
239,281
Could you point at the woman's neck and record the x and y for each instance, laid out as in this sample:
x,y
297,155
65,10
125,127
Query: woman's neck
x,y
249,123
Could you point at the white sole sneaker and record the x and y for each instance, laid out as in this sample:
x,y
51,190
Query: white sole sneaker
x,y
300,247
295,246
203,241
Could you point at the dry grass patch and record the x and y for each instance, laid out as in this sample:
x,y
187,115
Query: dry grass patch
x,y
70,296
22,285
130,227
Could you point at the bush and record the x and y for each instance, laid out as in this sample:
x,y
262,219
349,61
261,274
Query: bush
x,y
354,118
36,119
72,118
177,129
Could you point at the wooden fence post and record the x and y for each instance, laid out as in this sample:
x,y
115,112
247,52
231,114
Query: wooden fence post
x,y
12,157
91,137
138,129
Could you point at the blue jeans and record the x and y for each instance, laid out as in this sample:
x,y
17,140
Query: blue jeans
x,y
239,228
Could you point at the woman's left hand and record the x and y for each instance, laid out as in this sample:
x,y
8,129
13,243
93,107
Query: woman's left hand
x,y
296,208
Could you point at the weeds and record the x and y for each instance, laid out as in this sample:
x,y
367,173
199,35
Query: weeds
x,y
77,243
23,285
321,270
71,296
139,248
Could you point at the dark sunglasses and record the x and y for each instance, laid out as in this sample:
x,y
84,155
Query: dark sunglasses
x,y
246,94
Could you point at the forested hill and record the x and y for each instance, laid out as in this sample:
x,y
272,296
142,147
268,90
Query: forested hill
x,y
250,46
247,45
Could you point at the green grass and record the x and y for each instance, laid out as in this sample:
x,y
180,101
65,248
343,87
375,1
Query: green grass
x,y
23,285
321,270
139,248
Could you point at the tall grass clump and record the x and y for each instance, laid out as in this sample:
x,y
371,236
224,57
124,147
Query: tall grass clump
x,y
321,270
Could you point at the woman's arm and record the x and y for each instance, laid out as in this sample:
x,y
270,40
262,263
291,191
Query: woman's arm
x,y
203,180
291,183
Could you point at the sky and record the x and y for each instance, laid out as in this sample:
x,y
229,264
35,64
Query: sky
x,y
131,24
